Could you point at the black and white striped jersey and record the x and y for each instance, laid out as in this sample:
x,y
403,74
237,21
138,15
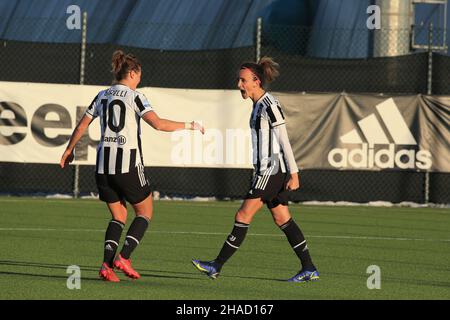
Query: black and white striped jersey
x,y
119,109
271,147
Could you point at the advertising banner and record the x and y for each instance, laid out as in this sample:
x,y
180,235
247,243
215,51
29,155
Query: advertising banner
x,y
326,131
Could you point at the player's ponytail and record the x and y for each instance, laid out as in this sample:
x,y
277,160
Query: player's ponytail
x,y
270,69
122,63
266,70
118,59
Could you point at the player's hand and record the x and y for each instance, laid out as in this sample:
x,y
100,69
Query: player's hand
x,y
66,158
197,126
293,183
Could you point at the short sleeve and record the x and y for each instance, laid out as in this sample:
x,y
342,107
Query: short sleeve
x,y
92,111
274,112
142,105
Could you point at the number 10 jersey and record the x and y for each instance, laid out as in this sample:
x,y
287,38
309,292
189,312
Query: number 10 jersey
x,y
120,110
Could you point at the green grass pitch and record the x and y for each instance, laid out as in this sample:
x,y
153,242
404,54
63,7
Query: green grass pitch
x,y
40,238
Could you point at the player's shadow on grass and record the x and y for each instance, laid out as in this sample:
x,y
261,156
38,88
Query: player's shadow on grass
x,y
44,275
57,266
194,275
39,265
256,278
63,268
152,275
44,265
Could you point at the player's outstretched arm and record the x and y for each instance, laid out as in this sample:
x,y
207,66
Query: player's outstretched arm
x,y
168,125
78,132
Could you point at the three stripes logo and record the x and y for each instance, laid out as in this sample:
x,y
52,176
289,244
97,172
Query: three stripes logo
x,y
398,145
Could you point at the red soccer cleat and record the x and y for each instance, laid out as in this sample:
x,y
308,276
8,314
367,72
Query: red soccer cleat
x,y
125,265
108,273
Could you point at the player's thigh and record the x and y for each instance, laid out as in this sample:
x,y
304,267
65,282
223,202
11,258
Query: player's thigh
x,y
248,209
144,208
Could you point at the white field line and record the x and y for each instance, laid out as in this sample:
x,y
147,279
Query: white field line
x,y
225,234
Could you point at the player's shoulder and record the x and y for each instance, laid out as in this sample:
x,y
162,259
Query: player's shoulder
x,y
139,94
142,97
101,93
268,101
141,101
97,98
270,97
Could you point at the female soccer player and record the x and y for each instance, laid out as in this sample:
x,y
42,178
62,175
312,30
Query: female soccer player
x,y
119,169
275,173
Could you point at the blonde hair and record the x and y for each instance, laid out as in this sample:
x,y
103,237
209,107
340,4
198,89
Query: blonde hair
x,y
122,63
266,70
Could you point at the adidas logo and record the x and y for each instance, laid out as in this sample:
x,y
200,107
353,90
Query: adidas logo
x,y
392,131
109,248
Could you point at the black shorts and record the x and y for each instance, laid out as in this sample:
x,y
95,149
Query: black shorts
x,y
270,188
132,186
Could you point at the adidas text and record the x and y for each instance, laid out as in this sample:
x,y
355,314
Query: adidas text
x,y
383,158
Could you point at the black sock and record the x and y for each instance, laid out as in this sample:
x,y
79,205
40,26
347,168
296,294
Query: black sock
x,y
298,243
112,238
134,236
232,243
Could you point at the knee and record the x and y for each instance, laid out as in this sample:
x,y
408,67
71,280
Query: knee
x,y
280,219
122,217
146,215
243,216
145,211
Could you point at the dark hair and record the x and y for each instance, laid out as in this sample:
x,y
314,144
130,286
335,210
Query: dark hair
x,y
266,70
122,64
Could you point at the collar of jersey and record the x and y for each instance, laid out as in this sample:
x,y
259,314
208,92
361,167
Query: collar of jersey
x,y
256,103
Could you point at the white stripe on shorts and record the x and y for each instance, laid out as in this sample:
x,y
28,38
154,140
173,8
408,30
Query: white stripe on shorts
x,y
140,170
266,178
